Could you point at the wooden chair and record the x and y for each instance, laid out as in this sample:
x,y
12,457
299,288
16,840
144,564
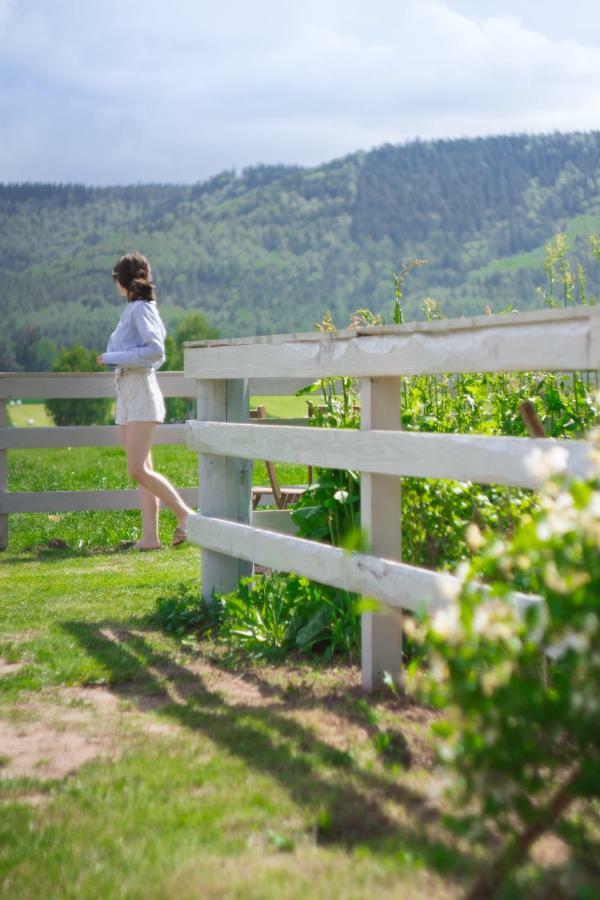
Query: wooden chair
x,y
283,497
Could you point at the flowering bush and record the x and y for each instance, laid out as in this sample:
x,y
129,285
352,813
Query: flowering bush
x,y
518,681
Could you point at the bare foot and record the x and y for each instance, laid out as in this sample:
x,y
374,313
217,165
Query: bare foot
x,y
143,548
181,520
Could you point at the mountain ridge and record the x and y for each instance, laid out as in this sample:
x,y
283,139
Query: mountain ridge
x,y
272,248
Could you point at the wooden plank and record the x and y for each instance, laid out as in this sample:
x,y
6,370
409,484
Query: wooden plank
x,y
225,483
80,436
53,437
78,501
463,457
458,324
72,385
552,340
279,520
399,585
380,516
3,477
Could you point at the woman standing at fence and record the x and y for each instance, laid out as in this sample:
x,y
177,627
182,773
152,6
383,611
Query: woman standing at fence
x,y
136,349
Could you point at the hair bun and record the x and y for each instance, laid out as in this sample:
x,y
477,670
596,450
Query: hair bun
x,y
133,273
141,288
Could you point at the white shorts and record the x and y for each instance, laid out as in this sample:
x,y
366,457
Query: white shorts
x,y
138,396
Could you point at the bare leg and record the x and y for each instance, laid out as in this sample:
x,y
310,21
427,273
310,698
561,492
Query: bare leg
x,y
138,440
149,506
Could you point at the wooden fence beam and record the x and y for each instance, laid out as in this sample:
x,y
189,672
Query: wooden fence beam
x,y
394,583
485,459
380,517
225,482
551,340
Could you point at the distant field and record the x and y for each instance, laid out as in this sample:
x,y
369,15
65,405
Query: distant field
x,y
29,414
284,407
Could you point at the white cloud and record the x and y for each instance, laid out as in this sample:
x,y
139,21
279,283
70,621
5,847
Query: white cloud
x,y
124,90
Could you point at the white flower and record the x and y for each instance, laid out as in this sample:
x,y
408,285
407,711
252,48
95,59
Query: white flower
x,y
571,641
495,620
496,677
543,464
474,537
446,623
561,516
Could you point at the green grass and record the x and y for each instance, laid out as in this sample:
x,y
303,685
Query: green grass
x,y
23,414
225,786
285,407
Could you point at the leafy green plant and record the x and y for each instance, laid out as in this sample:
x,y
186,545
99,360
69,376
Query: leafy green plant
x,y
184,611
269,616
520,690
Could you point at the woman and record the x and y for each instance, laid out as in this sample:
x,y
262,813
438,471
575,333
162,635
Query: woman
x,y
136,349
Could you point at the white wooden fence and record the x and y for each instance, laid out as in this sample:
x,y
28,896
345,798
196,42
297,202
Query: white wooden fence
x,y
86,385
71,385
225,372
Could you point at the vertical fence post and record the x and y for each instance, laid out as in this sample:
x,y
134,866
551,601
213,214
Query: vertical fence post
x,y
225,482
381,635
3,478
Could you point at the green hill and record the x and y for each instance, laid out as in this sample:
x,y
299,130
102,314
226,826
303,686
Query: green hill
x,y
272,248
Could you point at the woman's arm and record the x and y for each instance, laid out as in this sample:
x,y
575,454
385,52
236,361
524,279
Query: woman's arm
x,y
152,339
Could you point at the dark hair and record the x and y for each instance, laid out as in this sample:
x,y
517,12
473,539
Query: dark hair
x,y
133,272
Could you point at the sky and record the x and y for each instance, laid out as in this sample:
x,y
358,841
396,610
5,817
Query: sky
x,y
131,91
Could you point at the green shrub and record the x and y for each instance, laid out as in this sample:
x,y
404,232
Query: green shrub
x,y
521,690
79,412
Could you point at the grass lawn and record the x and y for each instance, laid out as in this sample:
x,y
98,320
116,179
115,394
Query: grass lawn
x,y
137,766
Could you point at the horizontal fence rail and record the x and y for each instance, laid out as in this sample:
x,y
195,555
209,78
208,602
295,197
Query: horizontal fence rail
x,y
551,340
461,457
548,340
92,385
395,583
72,385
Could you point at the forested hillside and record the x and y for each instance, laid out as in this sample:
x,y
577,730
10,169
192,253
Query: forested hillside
x,y
272,249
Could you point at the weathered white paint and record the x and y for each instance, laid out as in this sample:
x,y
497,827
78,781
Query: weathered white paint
x,y
80,436
380,516
553,340
398,585
73,385
463,457
225,482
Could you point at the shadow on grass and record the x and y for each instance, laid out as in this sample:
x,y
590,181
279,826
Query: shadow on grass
x,y
44,553
351,804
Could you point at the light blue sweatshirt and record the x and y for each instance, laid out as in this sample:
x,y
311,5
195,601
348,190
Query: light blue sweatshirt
x,y
139,338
